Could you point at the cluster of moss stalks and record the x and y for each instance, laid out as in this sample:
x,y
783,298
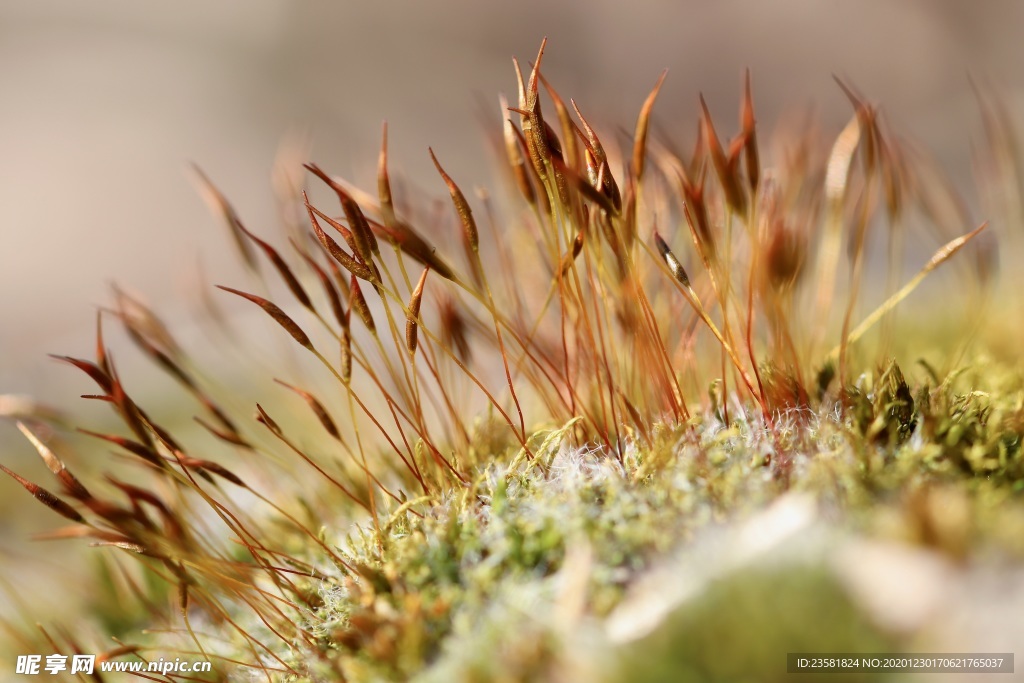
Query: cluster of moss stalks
x,y
623,436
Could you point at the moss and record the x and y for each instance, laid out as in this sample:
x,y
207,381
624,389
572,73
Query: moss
x,y
488,496
742,626
468,590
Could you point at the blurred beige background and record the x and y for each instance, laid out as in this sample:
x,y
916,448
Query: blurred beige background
x,y
104,103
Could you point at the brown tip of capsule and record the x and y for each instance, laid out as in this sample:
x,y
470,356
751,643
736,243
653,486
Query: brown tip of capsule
x,y
570,257
674,266
749,123
279,316
726,171
531,87
786,252
387,206
471,235
516,160
412,318
642,125
453,329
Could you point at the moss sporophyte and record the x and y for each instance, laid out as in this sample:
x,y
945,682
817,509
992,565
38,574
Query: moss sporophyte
x,y
649,372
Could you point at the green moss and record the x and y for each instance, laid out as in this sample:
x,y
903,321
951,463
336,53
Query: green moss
x,y
489,496
467,586
741,627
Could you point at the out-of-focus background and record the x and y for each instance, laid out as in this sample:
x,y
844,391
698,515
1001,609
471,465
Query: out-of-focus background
x,y
103,104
